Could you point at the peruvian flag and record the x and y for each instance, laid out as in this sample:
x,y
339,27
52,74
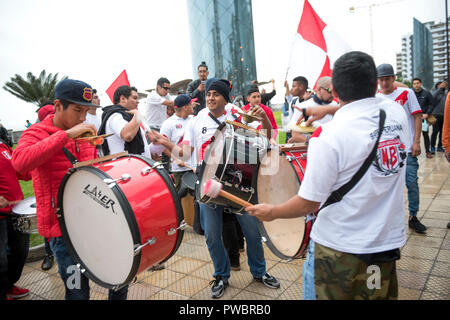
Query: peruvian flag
x,y
122,80
315,49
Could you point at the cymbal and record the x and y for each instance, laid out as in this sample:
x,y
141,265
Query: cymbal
x,y
94,140
250,117
301,129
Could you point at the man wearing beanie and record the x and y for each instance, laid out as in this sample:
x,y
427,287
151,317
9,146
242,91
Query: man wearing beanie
x,y
196,139
40,150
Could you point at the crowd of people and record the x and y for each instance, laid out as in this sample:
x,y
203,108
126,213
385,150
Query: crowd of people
x,y
353,229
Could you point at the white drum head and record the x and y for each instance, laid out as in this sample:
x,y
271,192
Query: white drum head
x,y
215,157
97,227
25,207
285,235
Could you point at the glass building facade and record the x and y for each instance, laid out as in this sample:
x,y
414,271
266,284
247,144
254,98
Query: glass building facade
x,y
222,36
422,54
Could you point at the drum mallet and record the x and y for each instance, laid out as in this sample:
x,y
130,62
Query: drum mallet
x,y
213,189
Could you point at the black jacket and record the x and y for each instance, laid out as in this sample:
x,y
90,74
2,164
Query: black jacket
x,y
439,101
193,92
426,100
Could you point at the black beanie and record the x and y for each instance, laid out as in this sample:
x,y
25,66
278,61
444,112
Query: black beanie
x,y
221,86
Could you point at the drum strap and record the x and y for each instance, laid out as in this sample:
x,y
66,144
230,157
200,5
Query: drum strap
x,y
338,194
214,118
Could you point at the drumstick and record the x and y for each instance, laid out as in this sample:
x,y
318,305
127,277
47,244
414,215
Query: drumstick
x,y
213,189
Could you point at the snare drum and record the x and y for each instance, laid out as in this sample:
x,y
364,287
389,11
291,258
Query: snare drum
x,y
286,238
23,217
232,158
119,217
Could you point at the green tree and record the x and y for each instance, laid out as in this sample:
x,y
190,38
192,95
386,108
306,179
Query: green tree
x,y
36,90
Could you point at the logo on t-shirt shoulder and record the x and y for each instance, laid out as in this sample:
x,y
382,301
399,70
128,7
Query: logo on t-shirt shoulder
x,y
391,156
402,98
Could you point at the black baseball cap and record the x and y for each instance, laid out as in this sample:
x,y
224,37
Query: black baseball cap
x,y
75,91
385,70
183,100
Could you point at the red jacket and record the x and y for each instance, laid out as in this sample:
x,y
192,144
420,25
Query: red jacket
x,y
269,113
40,151
9,183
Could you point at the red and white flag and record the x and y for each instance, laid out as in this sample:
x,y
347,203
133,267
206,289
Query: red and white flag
x,y
122,80
315,49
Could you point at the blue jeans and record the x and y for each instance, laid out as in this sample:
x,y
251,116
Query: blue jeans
x,y
211,220
14,247
76,290
309,291
412,165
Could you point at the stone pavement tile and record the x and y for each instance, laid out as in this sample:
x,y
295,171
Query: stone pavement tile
x,y
415,264
57,293
194,252
424,203
186,265
435,223
437,215
31,296
30,277
408,294
415,251
240,279
247,295
188,286
429,189
438,285
269,264
162,278
206,272
435,232
205,294
440,206
261,289
293,292
441,269
286,271
139,291
446,244
429,295
411,280
167,295
444,256
424,241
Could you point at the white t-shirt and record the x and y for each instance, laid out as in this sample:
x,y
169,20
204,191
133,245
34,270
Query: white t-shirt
x,y
202,127
93,119
116,144
174,128
154,111
310,103
406,98
371,216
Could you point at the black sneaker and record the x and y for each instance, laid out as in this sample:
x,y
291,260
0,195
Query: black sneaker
x,y
218,287
269,281
235,266
415,224
47,263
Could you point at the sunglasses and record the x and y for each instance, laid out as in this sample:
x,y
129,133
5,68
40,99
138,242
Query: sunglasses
x,y
327,89
166,88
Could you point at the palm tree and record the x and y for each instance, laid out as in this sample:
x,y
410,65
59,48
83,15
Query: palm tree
x,y
36,90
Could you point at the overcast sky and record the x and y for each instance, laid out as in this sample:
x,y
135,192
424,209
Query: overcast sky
x,y
94,41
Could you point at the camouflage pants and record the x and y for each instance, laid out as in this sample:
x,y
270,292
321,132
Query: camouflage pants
x,y
344,276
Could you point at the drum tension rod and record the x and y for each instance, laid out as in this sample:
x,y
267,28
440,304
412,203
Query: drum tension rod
x,y
137,249
172,231
147,170
112,182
